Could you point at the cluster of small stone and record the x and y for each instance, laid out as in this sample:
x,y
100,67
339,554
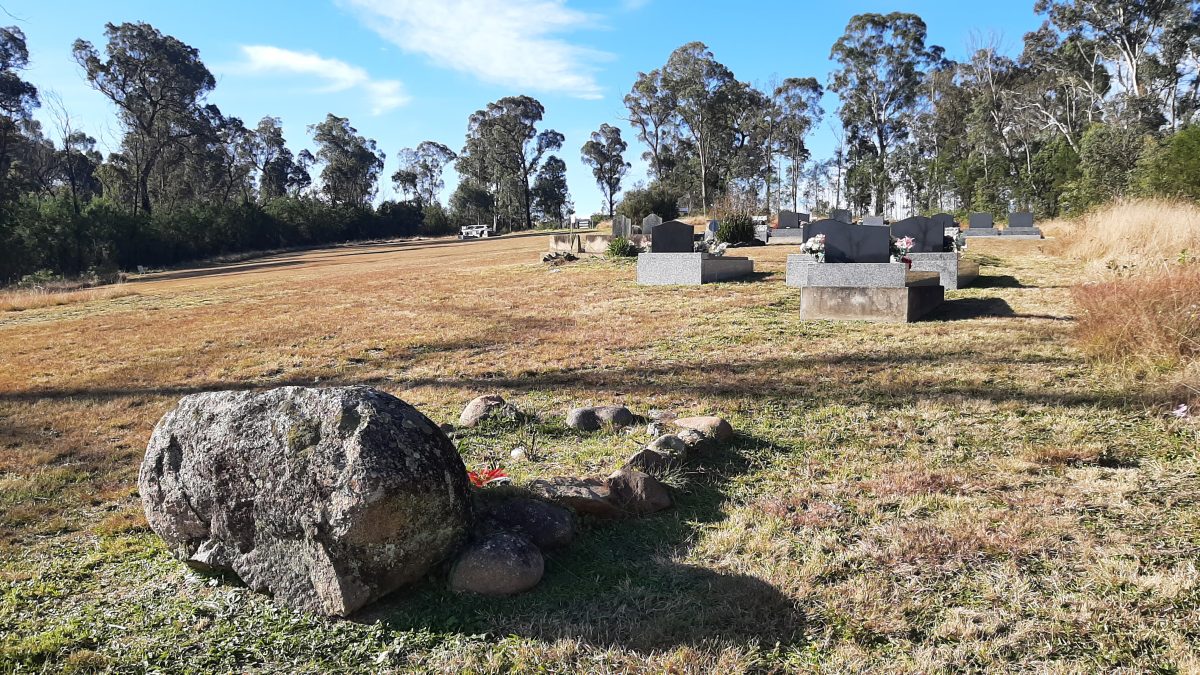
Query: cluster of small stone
x,y
505,555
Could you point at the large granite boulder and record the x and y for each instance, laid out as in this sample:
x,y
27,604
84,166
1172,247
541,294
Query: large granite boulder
x,y
325,498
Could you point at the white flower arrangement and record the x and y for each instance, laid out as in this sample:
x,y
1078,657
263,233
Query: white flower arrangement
x,y
901,247
815,246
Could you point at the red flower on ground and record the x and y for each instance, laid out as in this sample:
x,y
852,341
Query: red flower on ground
x,y
481,479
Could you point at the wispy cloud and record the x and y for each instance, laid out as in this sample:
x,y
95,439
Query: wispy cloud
x,y
335,75
517,43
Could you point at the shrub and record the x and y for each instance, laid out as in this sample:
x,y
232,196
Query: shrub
x,y
620,247
736,228
639,203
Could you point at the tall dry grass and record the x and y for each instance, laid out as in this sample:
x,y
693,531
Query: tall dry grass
x,y
1140,309
1130,238
19,300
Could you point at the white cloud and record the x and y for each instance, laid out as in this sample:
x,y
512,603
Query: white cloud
x,y
383,95
517,43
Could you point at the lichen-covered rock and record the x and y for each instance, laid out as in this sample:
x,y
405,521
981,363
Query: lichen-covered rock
x,y
636,492
325,498
501,564
488,406
711,426
546,525
654,462
598,417
584,495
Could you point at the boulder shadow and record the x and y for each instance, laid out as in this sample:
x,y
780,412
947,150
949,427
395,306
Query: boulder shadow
x,y
997,281
617,583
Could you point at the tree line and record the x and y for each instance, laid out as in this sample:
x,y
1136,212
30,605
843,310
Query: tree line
x,y
1101,102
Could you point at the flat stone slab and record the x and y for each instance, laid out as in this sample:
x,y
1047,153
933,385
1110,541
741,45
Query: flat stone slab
x,y
804,272
689,269
564,243
955,273
981,232
895,305
793,236
1026,232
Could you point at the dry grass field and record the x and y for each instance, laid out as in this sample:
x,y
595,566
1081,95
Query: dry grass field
x,y
965,493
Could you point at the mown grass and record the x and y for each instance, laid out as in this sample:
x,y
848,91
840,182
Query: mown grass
x,y
966,493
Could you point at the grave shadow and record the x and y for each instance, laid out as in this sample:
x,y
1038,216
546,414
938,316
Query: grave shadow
x,y
617,583
997,281
962,309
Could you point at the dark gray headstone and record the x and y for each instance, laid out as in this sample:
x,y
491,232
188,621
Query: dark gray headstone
x,y
846,243
673,237
873,221
804,217
944,220
930,236
842,215
788,219
1020,219
983,220
622,227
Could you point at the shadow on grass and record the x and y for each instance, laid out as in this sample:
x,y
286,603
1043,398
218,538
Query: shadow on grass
x,y
962,309
617,584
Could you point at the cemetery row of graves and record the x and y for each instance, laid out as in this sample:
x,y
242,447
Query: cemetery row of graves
x,y
871,270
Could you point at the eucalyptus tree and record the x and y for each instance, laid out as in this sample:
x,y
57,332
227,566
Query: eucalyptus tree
x,y
551,197
158,85
605,154
798,101
421,169
881,63
351,162
18,99
504,150
700,86
652,111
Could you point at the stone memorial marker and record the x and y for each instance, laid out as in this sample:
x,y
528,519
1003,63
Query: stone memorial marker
x,y
673,237
1020,219
621,227
842,215
944,220
980,220
649,223
929,236
805,217
710,230
846,243
762,232
788,220
873,221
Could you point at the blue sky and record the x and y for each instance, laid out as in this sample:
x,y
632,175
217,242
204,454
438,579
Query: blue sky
x,y
405,71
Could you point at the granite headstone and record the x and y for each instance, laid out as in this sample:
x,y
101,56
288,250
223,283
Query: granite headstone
x,y
842,215
649,223
673,237
788,220
929,236
1020,219
944,220
874,221
980,220
845,243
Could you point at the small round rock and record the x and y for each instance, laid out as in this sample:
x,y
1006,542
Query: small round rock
x,y
501,564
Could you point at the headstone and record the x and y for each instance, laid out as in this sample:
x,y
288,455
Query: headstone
x,y
980,220
673,237
710,230
846,243
929,236
649,223
788,220
874,221
762,232
842,215
1020,219
804,217
622,227
944,220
